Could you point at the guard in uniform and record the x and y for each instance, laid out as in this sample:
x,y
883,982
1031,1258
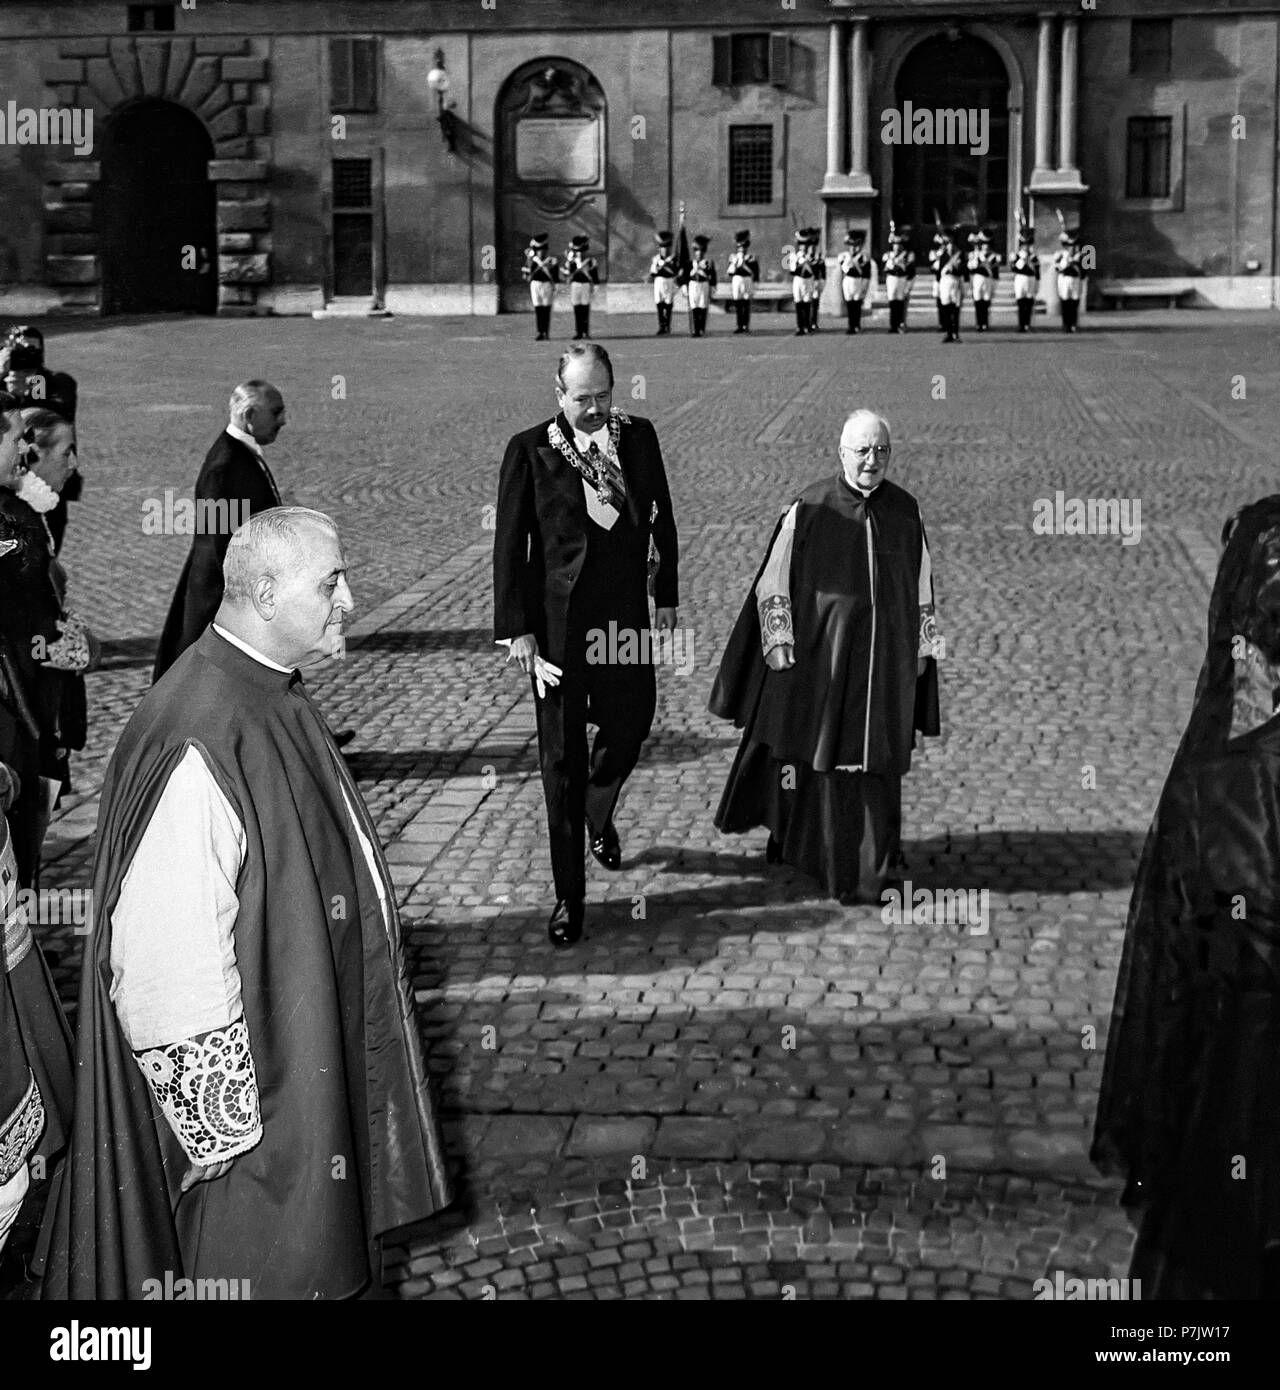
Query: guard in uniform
x,y
1026,277
1069,268
662,271
701,283
855,277
935,260
819,283
952,273
541,271
743,271
899,267
583,274
798,259
984,271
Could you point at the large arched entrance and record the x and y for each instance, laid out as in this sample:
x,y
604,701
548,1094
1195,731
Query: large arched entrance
x,y
159,239
946,73
551,163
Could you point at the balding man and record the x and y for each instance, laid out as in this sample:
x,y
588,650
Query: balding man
x,y
235,472
831,672
251,1098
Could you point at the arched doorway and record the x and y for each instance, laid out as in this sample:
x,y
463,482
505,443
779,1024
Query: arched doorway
x,y
551,147
159,240
950,73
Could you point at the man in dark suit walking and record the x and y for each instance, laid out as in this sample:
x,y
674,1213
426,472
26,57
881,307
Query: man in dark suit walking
x,y
580,499
235,471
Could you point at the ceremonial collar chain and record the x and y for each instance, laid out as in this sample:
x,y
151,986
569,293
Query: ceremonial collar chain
x,y
596,474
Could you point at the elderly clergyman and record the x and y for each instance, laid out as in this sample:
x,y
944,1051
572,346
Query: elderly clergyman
x,y
831,670
251,1098
234,473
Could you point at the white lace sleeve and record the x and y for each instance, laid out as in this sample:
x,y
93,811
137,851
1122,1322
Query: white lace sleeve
x,y
208,1090
773,590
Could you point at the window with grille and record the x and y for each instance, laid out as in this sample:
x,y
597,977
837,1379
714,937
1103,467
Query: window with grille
x,y
353,183
150,19
1150,148
1150,47
750,164
739,60
353,74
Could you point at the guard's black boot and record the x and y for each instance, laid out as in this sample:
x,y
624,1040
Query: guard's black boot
x,y
746,316
850,305
802,318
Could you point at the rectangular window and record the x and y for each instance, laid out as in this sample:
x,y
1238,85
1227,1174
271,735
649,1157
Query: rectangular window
x,y
750,164
353,74
352,227
743,60
151,19
1150,47
1147,165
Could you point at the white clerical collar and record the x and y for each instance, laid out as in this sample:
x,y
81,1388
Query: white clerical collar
x,y
252,651
245,438
858,490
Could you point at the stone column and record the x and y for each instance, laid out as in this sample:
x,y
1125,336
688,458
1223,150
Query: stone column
x,y
1044,95
858,101
1067,64
835,102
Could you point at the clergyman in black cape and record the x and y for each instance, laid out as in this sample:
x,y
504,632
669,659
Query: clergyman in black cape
x,y
251,1101
1189,1111
831,671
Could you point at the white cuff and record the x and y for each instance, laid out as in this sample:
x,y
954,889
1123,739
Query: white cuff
x,y
208,1090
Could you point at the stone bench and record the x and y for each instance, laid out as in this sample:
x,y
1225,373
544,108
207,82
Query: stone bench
x,y
1117,296
777,295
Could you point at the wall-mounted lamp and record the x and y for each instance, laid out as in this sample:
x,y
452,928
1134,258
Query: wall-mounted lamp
x,y
438,81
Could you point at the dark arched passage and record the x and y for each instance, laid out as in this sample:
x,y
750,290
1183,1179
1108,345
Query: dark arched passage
x,y
159,239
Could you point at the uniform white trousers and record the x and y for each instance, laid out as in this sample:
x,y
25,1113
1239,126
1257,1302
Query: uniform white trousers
x,y
742,286
1025,286
664,289
580,291
1070,286
950,289
541,292
984,288
897,286
853,287
699,294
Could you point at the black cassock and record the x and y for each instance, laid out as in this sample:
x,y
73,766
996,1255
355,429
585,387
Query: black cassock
x,y
853,698
1189,1110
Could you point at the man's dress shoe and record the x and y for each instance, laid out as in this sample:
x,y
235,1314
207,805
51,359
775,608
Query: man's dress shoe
x,y
564,927
606,848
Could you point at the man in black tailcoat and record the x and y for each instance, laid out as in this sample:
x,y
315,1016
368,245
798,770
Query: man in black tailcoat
x,y
235,471
581,500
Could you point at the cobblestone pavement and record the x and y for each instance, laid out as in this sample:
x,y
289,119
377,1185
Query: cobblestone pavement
x,y
733,1088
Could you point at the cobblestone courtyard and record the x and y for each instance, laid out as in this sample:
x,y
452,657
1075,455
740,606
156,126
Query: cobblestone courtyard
x,y
733,1087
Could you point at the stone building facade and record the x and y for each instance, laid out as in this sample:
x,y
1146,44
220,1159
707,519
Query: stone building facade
x,y
282,156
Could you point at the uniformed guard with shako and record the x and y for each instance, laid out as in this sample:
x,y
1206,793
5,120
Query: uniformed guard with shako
x,y
701,282
1026,277
935,260
541,271
662,271
798,259
743,271
855,277
952,273
583,274
984,271
813,239
899,267
1068,266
